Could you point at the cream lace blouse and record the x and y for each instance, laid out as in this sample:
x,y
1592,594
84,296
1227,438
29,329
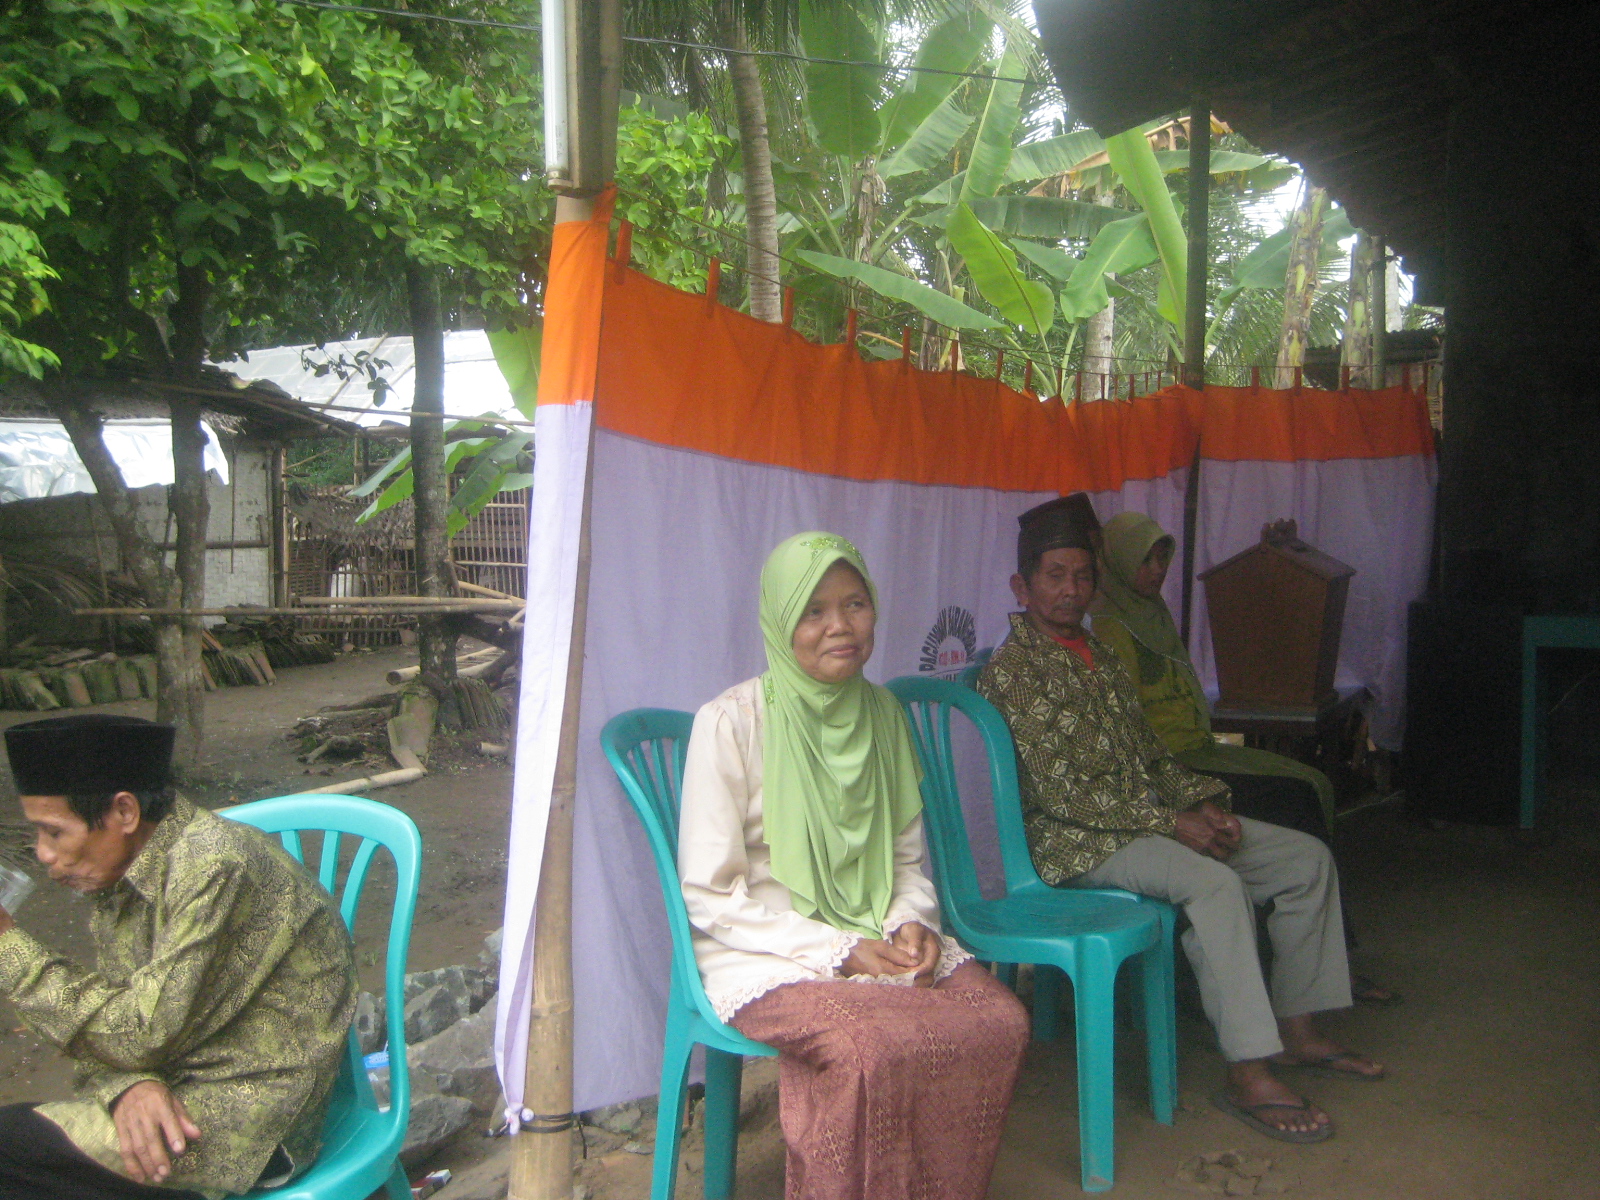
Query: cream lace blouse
x,y
748,938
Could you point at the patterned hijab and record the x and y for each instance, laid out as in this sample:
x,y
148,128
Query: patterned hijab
x,y
839,775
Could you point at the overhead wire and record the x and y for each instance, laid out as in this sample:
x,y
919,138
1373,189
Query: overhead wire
x,y
484,22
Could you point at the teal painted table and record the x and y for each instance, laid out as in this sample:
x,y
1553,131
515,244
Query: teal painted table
x,y
1544,633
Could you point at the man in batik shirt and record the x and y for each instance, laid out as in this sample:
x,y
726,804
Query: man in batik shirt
x,y
209,1036
1106,805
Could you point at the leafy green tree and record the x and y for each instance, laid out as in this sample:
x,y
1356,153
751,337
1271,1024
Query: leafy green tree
x,y
212,154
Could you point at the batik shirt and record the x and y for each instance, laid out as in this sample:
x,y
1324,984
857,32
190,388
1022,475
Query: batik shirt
x,y
224,972
1094,776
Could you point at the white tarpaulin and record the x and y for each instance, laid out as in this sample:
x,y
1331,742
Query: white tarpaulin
x,y
473,383
37,458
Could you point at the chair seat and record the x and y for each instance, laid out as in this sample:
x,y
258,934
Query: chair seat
x,y
1031,927
351,1161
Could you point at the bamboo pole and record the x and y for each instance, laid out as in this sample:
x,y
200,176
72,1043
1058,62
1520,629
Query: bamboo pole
x,y
541,1160
1194,349
466,664
496,604
483,591
365,610
349,786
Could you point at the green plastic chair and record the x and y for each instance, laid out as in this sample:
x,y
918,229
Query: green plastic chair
x,y
646,748
360,1145
1083,933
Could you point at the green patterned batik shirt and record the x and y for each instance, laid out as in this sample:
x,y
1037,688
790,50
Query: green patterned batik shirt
x,y
226,973
1094,775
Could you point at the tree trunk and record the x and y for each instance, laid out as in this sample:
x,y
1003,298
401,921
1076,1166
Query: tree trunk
x,y
181,697
763,269
139,552
430,496
1300,281
1357,352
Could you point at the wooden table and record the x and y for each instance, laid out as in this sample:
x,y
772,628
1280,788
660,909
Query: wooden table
x,y
1544,633
1288,731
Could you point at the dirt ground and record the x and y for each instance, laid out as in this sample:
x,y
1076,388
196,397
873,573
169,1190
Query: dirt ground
x,y
1493,1055
1494,1091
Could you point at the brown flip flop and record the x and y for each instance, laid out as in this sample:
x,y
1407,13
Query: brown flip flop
x,y
1246,1113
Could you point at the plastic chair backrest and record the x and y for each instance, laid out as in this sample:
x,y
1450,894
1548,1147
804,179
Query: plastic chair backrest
x,y
646,748
376,825
928,704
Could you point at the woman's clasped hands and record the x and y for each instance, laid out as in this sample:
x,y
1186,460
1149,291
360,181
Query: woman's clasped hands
x,y
913,949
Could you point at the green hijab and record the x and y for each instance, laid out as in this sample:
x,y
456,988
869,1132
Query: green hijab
x,y
1129,538
839,775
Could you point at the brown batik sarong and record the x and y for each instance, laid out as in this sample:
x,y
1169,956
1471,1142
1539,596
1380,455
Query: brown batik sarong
x,y
891,1093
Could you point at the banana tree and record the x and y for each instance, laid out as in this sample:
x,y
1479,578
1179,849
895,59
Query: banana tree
x,y
500,457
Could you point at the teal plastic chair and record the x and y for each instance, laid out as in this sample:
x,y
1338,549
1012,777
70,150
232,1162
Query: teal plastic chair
x,y
646,748
360,1145
1085,934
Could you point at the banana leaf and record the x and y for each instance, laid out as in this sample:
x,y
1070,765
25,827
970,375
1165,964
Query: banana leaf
x,y
1223,162
952,45
1039,160
1049,217
929,143
1268,264
993,267
991,148
516,353
841,100
1135,164
1057,264
930,302
1124,245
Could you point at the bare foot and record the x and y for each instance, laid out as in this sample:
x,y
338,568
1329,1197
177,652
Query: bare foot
x,y
1304,1046
1254,1088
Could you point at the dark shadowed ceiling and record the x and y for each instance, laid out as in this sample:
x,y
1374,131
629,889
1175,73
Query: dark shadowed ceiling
x,y
1359,92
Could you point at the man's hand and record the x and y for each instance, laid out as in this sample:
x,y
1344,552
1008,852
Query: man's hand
x,y
150,1122
1208,830
872,956
916,938
1229,832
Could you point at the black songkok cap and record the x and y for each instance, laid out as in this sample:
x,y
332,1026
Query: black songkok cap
x,y
1067,522
91,754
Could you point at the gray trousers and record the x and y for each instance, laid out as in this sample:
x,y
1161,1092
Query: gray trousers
x,y
1293,870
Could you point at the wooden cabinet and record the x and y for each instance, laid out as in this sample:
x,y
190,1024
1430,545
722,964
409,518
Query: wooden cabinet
x,y
1277,611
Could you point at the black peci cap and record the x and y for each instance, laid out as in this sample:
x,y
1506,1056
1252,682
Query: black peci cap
x,y
1067,522
91,754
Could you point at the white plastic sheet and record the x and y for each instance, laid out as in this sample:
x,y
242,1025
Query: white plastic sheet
x,y
37,458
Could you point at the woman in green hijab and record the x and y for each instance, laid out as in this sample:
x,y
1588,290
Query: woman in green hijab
x,y
800,852
1130,615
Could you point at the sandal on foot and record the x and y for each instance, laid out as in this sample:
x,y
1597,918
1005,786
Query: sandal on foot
x,y
1325,1066
1362,991
1246,1113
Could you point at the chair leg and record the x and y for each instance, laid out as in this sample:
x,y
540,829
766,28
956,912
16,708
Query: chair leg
x,y
1161,1021
724,1073
1006,973
1094,996
397,1185
669,1113
1046,1002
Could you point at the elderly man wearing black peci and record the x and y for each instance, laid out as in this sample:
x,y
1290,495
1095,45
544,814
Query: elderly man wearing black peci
x,y
208,1036
1105,804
